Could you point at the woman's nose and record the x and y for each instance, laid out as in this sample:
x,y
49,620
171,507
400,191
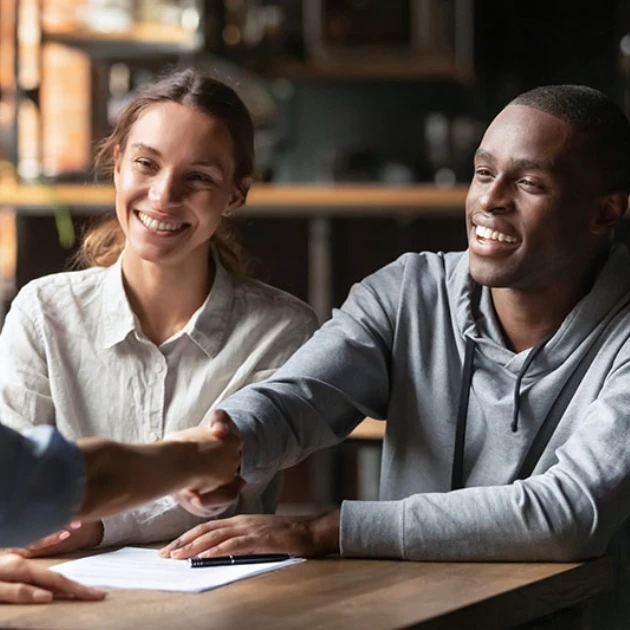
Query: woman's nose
x,y
163,191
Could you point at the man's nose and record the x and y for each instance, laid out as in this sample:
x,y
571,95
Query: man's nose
x,y
496,196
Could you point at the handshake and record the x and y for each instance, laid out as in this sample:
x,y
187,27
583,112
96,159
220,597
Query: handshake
x,y
199,466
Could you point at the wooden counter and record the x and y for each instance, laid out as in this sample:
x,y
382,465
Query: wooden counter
x,y
341,594
318,204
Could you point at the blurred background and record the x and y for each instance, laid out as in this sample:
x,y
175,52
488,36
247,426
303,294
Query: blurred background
x,y
367,115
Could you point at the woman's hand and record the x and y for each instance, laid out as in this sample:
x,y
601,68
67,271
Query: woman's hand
x,y
23,582
266,533
79,536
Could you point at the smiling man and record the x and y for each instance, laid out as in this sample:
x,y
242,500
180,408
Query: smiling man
x,y
503,372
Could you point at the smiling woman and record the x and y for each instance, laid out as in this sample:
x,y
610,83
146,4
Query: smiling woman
x,y
227,120
164,323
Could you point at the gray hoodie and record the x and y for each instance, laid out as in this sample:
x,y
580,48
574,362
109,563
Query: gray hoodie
x,y
395,350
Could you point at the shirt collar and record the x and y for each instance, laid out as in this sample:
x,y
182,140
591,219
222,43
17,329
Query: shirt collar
x,y
118,318
207,327
210,324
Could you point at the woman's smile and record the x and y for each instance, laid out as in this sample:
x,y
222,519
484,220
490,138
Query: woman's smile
x,y
162,227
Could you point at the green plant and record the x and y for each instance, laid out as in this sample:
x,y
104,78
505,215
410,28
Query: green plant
x,y
63,221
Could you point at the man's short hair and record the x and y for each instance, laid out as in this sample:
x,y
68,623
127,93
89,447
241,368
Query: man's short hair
x,y
603,128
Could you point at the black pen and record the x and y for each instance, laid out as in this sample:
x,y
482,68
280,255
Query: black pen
x,y
223,561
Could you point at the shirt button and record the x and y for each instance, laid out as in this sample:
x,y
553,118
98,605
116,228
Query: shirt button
x,y
154,436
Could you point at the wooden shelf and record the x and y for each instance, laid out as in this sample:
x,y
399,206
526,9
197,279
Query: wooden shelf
x,y
378,68
369,429
264,199
141,39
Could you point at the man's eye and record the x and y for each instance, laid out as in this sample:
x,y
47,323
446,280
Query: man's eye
x,y
483,173
528,183
200,178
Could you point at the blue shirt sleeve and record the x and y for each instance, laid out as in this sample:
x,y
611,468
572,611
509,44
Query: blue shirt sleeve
x,y
42,479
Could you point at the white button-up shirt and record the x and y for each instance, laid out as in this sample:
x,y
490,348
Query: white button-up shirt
x,y
73,355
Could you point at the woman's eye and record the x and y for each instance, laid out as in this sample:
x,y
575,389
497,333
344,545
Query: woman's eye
x,y
144,163
483,173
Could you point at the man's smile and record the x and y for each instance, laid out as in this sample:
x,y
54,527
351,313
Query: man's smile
x,y
494,235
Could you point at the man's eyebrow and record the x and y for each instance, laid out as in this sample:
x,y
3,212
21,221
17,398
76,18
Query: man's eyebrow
x,y
533,165
482,154
522,163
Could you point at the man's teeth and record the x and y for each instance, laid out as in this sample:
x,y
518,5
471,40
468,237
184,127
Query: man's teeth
x,y
493,235
153,224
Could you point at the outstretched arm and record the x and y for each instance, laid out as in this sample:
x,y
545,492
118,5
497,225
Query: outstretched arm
x,y
566,512
49,480
119,476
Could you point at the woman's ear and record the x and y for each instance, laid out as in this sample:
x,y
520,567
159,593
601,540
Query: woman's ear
x,y
237,198
611,209
117,160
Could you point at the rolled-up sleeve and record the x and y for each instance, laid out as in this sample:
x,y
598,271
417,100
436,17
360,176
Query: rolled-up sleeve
x,y
42,479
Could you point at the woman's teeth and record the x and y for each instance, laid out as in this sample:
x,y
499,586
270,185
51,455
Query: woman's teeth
x,y
153,224
493,235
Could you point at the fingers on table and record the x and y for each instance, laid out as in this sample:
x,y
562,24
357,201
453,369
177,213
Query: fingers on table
x,y
22,581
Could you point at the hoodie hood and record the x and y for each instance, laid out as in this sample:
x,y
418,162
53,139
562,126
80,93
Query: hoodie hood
x,y
475,317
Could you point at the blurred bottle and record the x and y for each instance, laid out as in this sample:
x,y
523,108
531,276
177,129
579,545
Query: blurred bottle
x,y
107,16
438,149
234,18
119,83
61,16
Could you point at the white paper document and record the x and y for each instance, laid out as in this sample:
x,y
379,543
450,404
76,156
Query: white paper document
x,y
134,567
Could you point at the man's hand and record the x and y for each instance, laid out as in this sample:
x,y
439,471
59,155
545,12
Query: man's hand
x,y
205,502
219,451
210,504
122,475
79,536
298,536
23,582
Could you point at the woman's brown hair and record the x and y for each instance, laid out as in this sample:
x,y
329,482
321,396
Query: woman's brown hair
x,y
104,242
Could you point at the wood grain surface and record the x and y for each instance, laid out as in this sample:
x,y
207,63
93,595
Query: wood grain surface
x,y
335,594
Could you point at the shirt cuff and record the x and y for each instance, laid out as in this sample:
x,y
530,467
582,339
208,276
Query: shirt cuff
x,y
46,488
249,449
120,529
372,529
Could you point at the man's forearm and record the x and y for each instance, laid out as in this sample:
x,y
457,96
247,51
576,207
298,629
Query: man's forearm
x,y
118,476
325,533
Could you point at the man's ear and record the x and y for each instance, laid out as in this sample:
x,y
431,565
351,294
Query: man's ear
x,y
610,211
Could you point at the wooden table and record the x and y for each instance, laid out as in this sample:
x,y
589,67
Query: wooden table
x,y
343,594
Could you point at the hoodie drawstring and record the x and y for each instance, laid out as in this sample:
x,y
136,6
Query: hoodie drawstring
x,y
533,353
457,475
